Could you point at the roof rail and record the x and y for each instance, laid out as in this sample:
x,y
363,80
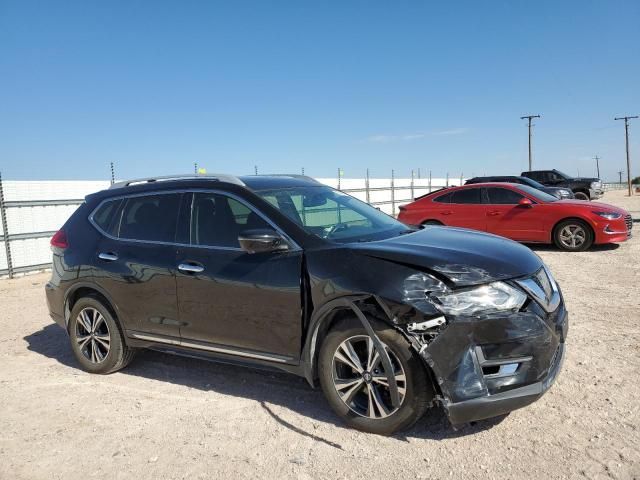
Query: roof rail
x,y
292,175
208,176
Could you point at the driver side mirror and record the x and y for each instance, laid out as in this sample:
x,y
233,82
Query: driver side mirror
x,y
525,202
262,240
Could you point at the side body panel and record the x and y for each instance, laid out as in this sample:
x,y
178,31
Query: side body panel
x,y
142,282
249,301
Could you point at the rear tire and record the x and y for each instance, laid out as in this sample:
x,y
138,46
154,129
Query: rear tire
x,y
369,407
96,338
573,235
582,196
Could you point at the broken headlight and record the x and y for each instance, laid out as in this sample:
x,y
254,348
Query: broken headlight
x,y
494,297
421,288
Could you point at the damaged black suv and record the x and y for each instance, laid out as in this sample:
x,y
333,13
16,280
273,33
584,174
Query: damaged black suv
x,y
284,272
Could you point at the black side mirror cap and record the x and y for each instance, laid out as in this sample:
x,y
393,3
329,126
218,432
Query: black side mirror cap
x,y
262,240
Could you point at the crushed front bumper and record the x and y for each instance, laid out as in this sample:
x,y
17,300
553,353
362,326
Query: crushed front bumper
x,y
489,366
505,402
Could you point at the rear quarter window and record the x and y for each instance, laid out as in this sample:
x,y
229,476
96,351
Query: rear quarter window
x,y
446,198
106,214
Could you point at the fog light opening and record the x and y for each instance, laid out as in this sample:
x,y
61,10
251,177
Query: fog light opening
x,y
504,370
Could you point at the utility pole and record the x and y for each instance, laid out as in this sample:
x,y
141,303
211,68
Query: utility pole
x,y
626,136
620,174
113,175
529,117
596,158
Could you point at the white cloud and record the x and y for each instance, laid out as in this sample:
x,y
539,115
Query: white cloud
x,y
414,136
453,131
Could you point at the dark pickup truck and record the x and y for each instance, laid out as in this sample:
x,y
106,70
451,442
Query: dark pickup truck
x,y
582,188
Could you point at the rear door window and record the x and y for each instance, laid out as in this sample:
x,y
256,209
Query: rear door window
x,y
503,196
467,196
151,218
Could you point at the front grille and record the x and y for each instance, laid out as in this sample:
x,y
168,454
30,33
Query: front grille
x,y
543,289
629,221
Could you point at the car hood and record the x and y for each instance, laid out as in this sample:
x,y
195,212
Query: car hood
x,y
464,257
592,206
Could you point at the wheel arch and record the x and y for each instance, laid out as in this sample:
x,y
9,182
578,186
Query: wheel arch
x,y
326,316
581,219
87,289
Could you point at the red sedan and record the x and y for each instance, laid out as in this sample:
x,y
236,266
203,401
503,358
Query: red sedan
x,y
521,213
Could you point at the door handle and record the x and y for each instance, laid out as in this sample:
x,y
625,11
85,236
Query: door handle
x,y
446,212
493,213
190,268
108,256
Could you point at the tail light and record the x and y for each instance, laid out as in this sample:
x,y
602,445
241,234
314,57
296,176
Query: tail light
x,y
59,239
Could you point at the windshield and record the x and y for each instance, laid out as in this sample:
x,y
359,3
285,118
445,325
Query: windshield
x,y
333,215
537,194
532,183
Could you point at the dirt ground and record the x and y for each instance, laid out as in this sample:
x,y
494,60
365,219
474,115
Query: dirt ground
x,y
175,417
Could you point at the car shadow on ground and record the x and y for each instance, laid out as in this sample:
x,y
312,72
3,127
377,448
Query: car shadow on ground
x,y
268,388
543,247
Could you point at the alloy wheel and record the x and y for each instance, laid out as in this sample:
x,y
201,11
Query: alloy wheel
x,y
360,379
573,236
92,335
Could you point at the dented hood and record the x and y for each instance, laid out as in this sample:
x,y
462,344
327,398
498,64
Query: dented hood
x,y
465,257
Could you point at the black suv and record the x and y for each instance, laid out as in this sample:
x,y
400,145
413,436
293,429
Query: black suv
x,y
582,188
559,193
284,272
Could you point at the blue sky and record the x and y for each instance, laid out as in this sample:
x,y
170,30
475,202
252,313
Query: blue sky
x,y
156,86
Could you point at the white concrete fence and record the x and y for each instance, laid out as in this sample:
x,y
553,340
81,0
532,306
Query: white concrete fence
x,y
32,211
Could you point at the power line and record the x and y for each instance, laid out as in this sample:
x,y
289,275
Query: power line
x,y
530,117
626,137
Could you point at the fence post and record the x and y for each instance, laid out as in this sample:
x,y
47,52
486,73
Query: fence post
x,y
393,195
5,230
339,175
412,195
429,181
460,178
366,187
255,170
302,170
447,184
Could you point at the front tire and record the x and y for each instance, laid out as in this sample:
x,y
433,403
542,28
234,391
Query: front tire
x,y
96,338
354,381
573,235
582,196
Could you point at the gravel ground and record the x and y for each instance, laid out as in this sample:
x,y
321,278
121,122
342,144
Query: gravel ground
x,y
175,417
